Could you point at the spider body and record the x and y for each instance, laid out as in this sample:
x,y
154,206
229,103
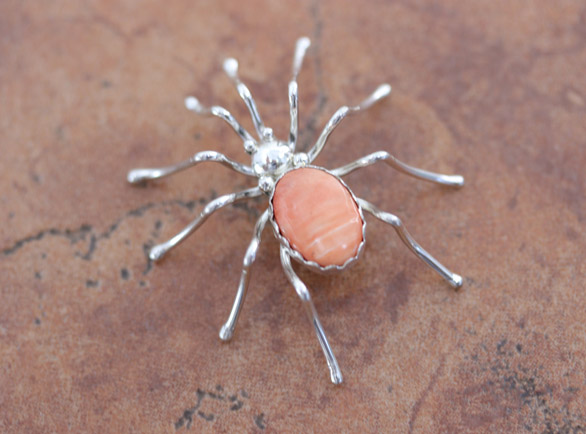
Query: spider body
x,y
314,214
318,217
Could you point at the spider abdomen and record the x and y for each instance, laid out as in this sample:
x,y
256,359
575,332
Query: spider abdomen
x,y
318,216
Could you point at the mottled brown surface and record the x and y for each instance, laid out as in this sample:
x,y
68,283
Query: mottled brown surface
x,y
94,339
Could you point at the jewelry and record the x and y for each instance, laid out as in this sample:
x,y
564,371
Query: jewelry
x,y
314,214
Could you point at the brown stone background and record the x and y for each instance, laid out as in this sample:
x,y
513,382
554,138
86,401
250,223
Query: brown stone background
x,y
94,339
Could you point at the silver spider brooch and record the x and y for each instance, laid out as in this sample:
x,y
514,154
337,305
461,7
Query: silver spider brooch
x,y
314,214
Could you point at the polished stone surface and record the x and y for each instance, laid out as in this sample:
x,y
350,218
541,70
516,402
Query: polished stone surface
x,y
318,216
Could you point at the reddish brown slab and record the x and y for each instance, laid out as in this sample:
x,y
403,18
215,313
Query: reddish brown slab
x,y
94,338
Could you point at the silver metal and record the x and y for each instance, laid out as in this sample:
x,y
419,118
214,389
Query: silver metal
x,y
301,47
300,159
136,176
193,104
303,293
438,178
382,91
300,50
266,184
330,269
271,159
452,278
231,69
227,329
293,108
160,250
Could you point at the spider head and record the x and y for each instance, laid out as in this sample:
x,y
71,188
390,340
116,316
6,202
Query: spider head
x,y
272,157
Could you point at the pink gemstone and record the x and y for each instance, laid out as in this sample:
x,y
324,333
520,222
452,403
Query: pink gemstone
x,y
318,216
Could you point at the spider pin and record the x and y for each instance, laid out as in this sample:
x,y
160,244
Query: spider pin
x,y
314,214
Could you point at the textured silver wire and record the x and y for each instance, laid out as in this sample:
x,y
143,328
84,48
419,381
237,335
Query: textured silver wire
x,y
231,69
303,293
193,104
227,329
452,278
136,176
382,91
293,108
438,178
300,50
160,250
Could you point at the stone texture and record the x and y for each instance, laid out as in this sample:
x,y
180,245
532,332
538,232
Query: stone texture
x,y
318,216
93,338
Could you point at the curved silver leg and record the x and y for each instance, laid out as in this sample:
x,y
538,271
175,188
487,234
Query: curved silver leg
x,y
136,176
303,293
158,251
193,104
438,178
453,279
382,91
227,329
231,69
300,50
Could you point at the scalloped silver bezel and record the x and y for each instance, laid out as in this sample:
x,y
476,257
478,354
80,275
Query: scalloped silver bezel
x,y
297,255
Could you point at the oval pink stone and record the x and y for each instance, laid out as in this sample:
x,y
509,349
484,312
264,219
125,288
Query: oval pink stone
x,y
317,214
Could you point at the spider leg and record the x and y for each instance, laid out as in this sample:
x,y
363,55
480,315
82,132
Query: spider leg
x,y
300,49
136,176
231,69
227,329
382,91
452,278
193,104
158,251
438,178
303,293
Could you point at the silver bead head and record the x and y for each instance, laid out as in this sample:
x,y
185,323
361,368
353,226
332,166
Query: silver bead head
x,y
271,158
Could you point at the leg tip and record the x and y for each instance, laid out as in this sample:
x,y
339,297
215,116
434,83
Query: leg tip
x,y
157,253
230,66
455,181
456,281
192,103
383,90
458,181
303,43
134,176
336,377
226,333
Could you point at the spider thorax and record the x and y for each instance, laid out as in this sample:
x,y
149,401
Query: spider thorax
x,y
271,158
